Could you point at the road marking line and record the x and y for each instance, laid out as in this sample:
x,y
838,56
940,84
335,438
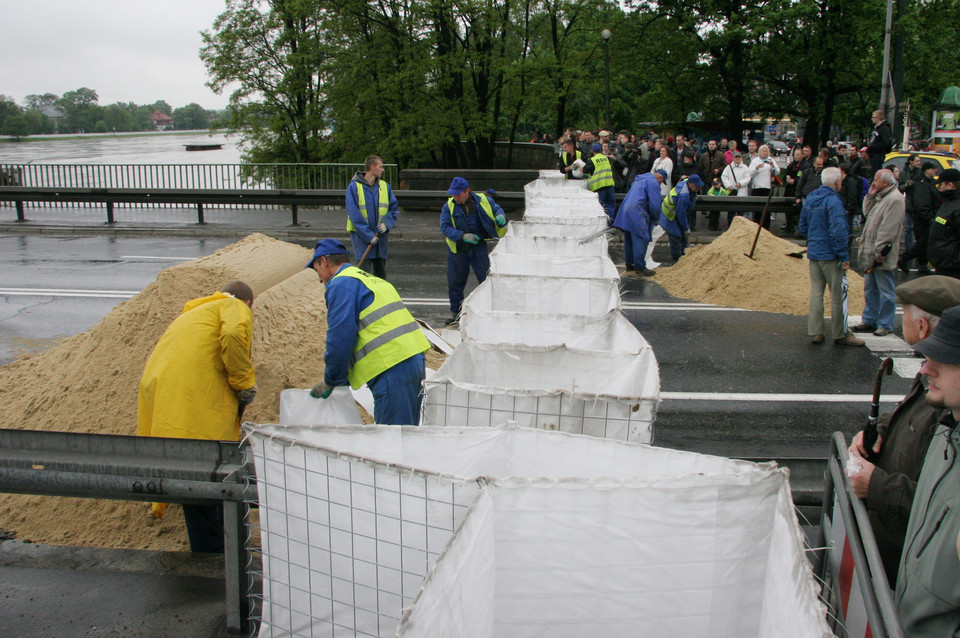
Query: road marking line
x,y
159,258
60,292
773,397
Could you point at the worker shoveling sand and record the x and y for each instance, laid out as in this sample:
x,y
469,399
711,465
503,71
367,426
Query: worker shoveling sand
x,y
89,382
720,273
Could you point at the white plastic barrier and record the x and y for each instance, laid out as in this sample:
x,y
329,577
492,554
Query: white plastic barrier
x,y
562,246
516,293
513,533
610,333
606,394
577,267
589,226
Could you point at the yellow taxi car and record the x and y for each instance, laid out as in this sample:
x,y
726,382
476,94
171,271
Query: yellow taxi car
x,y
942,160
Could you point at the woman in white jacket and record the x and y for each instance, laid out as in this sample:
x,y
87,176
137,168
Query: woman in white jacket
x,y
736,179
764,168
664,162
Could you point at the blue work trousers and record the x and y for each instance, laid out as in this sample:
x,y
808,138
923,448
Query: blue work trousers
x,y
398,392
879,308
608,199
678,245
634,251
458,271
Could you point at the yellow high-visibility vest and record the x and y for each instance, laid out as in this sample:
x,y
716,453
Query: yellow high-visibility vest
x,y
602,173
382,207
487,209
388,333
567,160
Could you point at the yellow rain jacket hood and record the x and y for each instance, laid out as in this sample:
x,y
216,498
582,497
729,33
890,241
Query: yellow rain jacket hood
x,y
188,389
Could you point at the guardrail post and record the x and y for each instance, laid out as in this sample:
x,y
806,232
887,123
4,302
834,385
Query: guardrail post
x,y
110,219
293,213
20,216
235,565
200,213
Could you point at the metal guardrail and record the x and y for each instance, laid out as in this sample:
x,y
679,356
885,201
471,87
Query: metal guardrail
x,y
140,469
707,203
295,199
845,532
185,176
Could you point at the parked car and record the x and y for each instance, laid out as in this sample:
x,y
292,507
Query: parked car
x,y
778,147
942,160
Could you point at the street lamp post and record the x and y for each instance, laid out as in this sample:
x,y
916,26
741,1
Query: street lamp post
x,y
605,34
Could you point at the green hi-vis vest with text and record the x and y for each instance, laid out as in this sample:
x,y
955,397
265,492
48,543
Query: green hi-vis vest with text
x,y
567,160
602,173
382,207
388,333
487,209
669,206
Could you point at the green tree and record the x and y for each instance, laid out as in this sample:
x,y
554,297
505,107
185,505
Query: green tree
x,y
39,123
80,109
190,117
15,126
34,101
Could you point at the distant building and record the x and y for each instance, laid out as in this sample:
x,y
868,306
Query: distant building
x,y
162,121
55,115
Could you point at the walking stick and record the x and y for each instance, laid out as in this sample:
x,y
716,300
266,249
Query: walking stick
x,y
870,432
763,216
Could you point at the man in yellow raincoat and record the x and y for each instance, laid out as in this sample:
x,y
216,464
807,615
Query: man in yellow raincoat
x,y
194,384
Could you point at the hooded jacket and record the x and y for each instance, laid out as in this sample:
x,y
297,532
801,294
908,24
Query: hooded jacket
x,y
823,221
883,228
190,383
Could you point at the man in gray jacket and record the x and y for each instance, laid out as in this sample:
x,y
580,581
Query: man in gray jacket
x,y
928,587
882,231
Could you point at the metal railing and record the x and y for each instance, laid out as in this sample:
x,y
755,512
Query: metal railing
x,y
141,469
848,556
186,176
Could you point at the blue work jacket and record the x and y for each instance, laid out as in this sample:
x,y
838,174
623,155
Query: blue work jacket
x,y
823,221
365,229
640,210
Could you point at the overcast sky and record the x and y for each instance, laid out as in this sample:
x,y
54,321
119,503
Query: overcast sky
x,y
125,50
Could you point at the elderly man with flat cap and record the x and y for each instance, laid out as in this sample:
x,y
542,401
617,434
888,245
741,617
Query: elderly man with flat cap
x,y
371,338
928,586
887,484
466,221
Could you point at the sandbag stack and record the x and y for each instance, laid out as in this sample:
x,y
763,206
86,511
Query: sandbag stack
x,y
544,341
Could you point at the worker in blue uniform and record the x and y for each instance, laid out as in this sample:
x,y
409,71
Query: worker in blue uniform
x,y
675,213
467,220
371,338
638,214
372,212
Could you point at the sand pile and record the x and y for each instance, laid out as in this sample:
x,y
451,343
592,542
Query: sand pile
x,y
720,273
88,383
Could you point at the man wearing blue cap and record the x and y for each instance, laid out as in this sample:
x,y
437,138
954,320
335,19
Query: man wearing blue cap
x,y
371,212
928,586
371,338
466,220
639,213
600,181
675,213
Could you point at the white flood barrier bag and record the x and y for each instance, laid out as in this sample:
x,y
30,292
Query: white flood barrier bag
x,y
565,246
576,267
297,407
506,532
590,226
516,293
605,394
611,333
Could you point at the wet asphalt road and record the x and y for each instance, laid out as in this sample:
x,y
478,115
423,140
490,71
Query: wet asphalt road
x,y
789,396
53,287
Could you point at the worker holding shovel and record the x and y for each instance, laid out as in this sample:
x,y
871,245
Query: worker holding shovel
x,y
372,211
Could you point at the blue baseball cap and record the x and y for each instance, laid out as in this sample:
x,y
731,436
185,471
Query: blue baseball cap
x,y
457,186
326,247
695,180
596,147
662,173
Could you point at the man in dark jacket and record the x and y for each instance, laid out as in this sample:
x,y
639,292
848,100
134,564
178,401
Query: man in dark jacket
x,y
823,221
923,200
888,484
712,162
809,180
880,142
850,194
943,245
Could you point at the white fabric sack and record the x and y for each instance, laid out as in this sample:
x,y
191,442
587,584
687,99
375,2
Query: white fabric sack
x,y
565,246
297,407
517,293
511,533
577,267
525,228
608,333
